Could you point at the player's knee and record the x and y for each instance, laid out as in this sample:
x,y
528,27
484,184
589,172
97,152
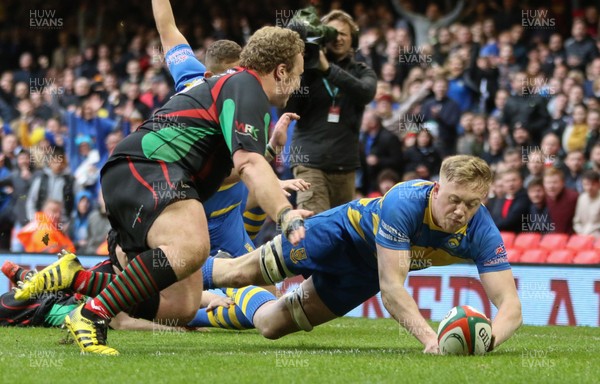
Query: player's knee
x,y
268,331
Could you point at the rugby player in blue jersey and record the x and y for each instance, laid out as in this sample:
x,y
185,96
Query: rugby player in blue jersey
x,y
354,251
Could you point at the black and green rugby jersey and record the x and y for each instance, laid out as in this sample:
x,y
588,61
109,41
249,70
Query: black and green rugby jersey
x,y
201,127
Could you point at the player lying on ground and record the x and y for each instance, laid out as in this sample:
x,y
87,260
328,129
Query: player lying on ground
x,y
353,251
50,309
221,122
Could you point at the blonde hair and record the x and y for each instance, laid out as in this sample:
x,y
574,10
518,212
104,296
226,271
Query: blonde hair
x,y
270,46
465,169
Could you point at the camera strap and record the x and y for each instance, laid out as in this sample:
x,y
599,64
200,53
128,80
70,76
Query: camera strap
x,y
333,116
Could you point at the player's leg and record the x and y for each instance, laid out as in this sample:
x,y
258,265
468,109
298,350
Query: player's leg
x,y
177,250
301,309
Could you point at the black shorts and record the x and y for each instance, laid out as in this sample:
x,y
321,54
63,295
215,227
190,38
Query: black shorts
x,y
136,191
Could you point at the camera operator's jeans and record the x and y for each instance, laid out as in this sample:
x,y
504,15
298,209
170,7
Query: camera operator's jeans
x,y
328,189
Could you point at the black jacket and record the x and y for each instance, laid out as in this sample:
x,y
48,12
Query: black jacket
x,y
388,149
517,212
530,111
331,146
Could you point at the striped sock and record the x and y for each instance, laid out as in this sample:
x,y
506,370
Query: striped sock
x,y
249,299
149,273
91,283
221,317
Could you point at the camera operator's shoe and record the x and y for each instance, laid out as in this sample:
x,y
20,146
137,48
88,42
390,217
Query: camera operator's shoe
x,y
90,335
55,277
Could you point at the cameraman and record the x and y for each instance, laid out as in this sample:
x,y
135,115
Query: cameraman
x,y
331,100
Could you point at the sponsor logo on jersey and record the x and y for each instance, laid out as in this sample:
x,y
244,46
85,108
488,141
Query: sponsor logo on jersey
x,y
247,130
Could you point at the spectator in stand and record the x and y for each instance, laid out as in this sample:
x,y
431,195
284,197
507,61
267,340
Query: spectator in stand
x,y
552,150
521,138
9,147
593,123
87,173
79,224
535,165
580,48
594,162
432,19
423,158
573,169
21,182
527,109
461,88
44,234
382,149
85,122
54,182
495,149
561,201
587,212
442,115
576,133
98,227
513,159
538,218
385,181
509,211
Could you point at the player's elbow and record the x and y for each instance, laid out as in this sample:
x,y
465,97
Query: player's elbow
x,y
244,161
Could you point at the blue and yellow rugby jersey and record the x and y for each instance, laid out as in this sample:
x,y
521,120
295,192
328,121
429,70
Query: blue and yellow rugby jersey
x,y
225,224
185,68
402,220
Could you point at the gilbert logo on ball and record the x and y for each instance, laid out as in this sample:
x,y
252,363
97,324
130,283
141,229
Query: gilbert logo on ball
x,y
464,331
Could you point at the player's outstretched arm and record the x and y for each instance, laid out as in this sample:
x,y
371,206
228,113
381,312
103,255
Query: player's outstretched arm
x,y
258,176
500,288
393,266
170,36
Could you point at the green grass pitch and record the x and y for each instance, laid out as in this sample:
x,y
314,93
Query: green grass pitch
x,y
343,351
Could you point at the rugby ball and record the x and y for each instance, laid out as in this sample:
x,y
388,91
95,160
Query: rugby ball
x,y
464,331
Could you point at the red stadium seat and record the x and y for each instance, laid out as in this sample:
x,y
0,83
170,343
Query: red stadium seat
x,y
580,242
513,255
525,241
554,241
597,244
508,238
588,256
560,256
533,256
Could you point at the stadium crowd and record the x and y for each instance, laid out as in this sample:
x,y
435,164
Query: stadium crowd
x,y
518,85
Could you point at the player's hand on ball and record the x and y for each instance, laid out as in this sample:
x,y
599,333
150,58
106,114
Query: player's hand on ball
x,y
432,347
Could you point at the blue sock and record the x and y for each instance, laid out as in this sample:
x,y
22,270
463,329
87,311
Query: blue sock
x,y
221,317
207,270
249,299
